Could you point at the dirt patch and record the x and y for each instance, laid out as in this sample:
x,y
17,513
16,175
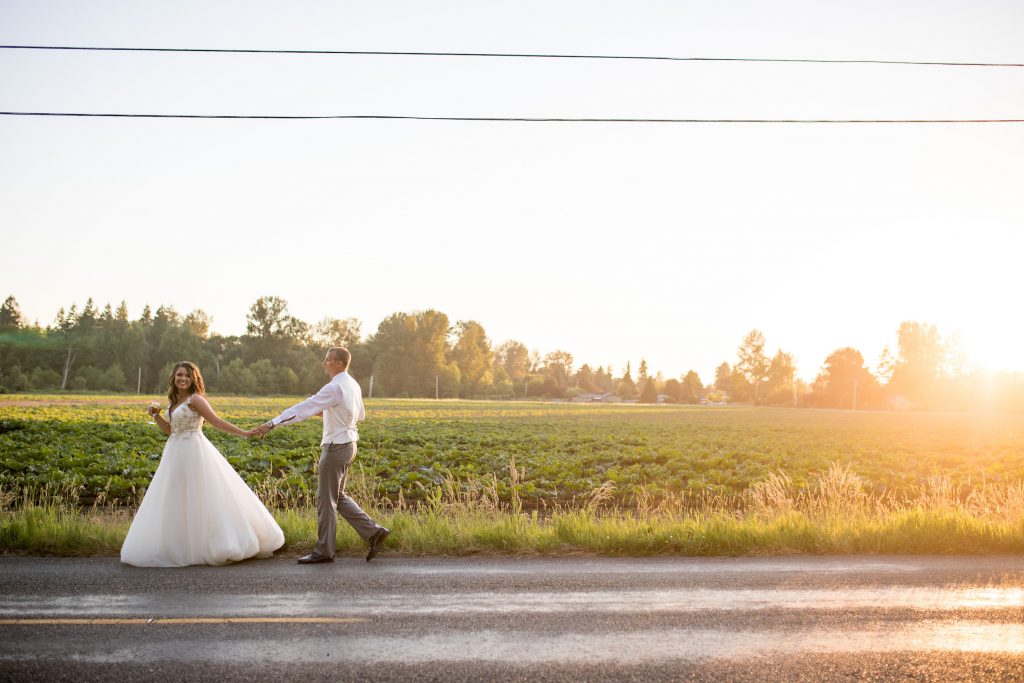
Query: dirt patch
x,y
38,403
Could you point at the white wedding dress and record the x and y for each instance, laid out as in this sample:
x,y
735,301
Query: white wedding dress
x,y
197,509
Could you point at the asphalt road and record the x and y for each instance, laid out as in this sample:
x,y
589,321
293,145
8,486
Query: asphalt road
x,y
793,618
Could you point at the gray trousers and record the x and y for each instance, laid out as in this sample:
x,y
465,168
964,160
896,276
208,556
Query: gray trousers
x,y
331,499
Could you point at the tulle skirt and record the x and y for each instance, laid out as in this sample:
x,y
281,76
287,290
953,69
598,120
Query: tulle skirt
x,y
197,510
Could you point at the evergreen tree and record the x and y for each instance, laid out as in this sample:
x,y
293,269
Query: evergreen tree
x,y
649,392
10,315
626,387
692,390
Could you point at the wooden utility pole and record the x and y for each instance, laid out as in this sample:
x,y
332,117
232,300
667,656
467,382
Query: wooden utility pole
x,y
138,389
371,386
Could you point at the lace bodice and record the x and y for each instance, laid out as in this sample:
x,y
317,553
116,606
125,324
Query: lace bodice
x,y
184,419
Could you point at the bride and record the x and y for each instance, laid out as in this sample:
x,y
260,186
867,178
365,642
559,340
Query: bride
x,y
197,509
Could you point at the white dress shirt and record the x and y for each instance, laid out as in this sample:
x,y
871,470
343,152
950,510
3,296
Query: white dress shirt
x,y
341,402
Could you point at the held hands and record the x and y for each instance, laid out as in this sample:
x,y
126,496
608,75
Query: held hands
x,y
262,430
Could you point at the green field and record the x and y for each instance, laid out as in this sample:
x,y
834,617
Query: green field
x,y
453,477
102,446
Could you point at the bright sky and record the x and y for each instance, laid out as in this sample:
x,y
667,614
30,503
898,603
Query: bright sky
x,y
611,241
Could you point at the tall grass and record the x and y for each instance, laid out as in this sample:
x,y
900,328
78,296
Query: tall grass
x,y
836,513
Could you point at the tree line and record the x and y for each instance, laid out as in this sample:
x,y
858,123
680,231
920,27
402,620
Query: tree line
x,y
423,354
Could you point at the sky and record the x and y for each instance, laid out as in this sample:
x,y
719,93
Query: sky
x,y
615,242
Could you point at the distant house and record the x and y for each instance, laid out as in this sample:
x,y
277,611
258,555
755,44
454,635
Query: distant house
x,y
900,402
596,398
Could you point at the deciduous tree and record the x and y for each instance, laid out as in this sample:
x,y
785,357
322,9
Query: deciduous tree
x,y
474,358
919,363
844,382
336,332
753,363
557,369
778,389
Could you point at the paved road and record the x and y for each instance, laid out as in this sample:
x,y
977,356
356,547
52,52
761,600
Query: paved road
x,y
805,618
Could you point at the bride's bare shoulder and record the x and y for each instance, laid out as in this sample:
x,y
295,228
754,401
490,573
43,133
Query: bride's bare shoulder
x,y
197,402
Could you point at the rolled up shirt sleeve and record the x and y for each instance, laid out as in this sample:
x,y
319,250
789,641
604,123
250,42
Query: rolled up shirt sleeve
x,y
328,396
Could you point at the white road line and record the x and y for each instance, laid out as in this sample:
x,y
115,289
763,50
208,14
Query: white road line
x,y
183,620
519,602
524,647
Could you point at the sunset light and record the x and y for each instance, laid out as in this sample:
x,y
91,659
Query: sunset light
x,y
538,340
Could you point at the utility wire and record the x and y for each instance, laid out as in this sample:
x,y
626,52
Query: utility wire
x,y
499,118
503,55
489,119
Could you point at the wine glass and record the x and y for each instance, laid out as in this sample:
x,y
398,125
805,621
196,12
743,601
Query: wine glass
x,y
154,408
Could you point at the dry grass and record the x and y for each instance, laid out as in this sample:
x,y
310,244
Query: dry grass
x,y
834,514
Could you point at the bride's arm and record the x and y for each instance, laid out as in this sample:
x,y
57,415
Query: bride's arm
x,y
163,424
202,406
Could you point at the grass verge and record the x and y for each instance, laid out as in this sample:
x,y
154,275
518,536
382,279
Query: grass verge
x,y
835,516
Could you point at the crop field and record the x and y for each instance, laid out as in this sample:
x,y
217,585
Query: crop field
x,y
101,447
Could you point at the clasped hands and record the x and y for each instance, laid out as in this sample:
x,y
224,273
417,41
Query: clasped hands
x,y
262,430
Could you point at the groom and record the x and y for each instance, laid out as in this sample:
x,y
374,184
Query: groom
x,y
340,401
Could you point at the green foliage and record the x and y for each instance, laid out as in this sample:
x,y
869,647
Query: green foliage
x,y
10,315
649,393
920,364
113,379
419,355
474,358
410,353
692,390
557,369
44,378
102,447
12,379
752,366
512,364
844,382
236,378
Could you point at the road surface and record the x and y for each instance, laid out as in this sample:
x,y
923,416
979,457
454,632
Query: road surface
x,y
791,618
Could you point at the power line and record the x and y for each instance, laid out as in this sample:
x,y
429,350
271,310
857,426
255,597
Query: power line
x,y
486,119
515,55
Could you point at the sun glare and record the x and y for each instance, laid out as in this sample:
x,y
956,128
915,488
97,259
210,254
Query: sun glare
x,y
992,350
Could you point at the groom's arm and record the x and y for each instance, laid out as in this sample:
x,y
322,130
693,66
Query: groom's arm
x,y
328,396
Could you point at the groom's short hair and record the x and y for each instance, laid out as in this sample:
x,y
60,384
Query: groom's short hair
x,y
341,355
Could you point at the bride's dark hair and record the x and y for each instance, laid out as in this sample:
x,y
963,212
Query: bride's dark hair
x,y
197,380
